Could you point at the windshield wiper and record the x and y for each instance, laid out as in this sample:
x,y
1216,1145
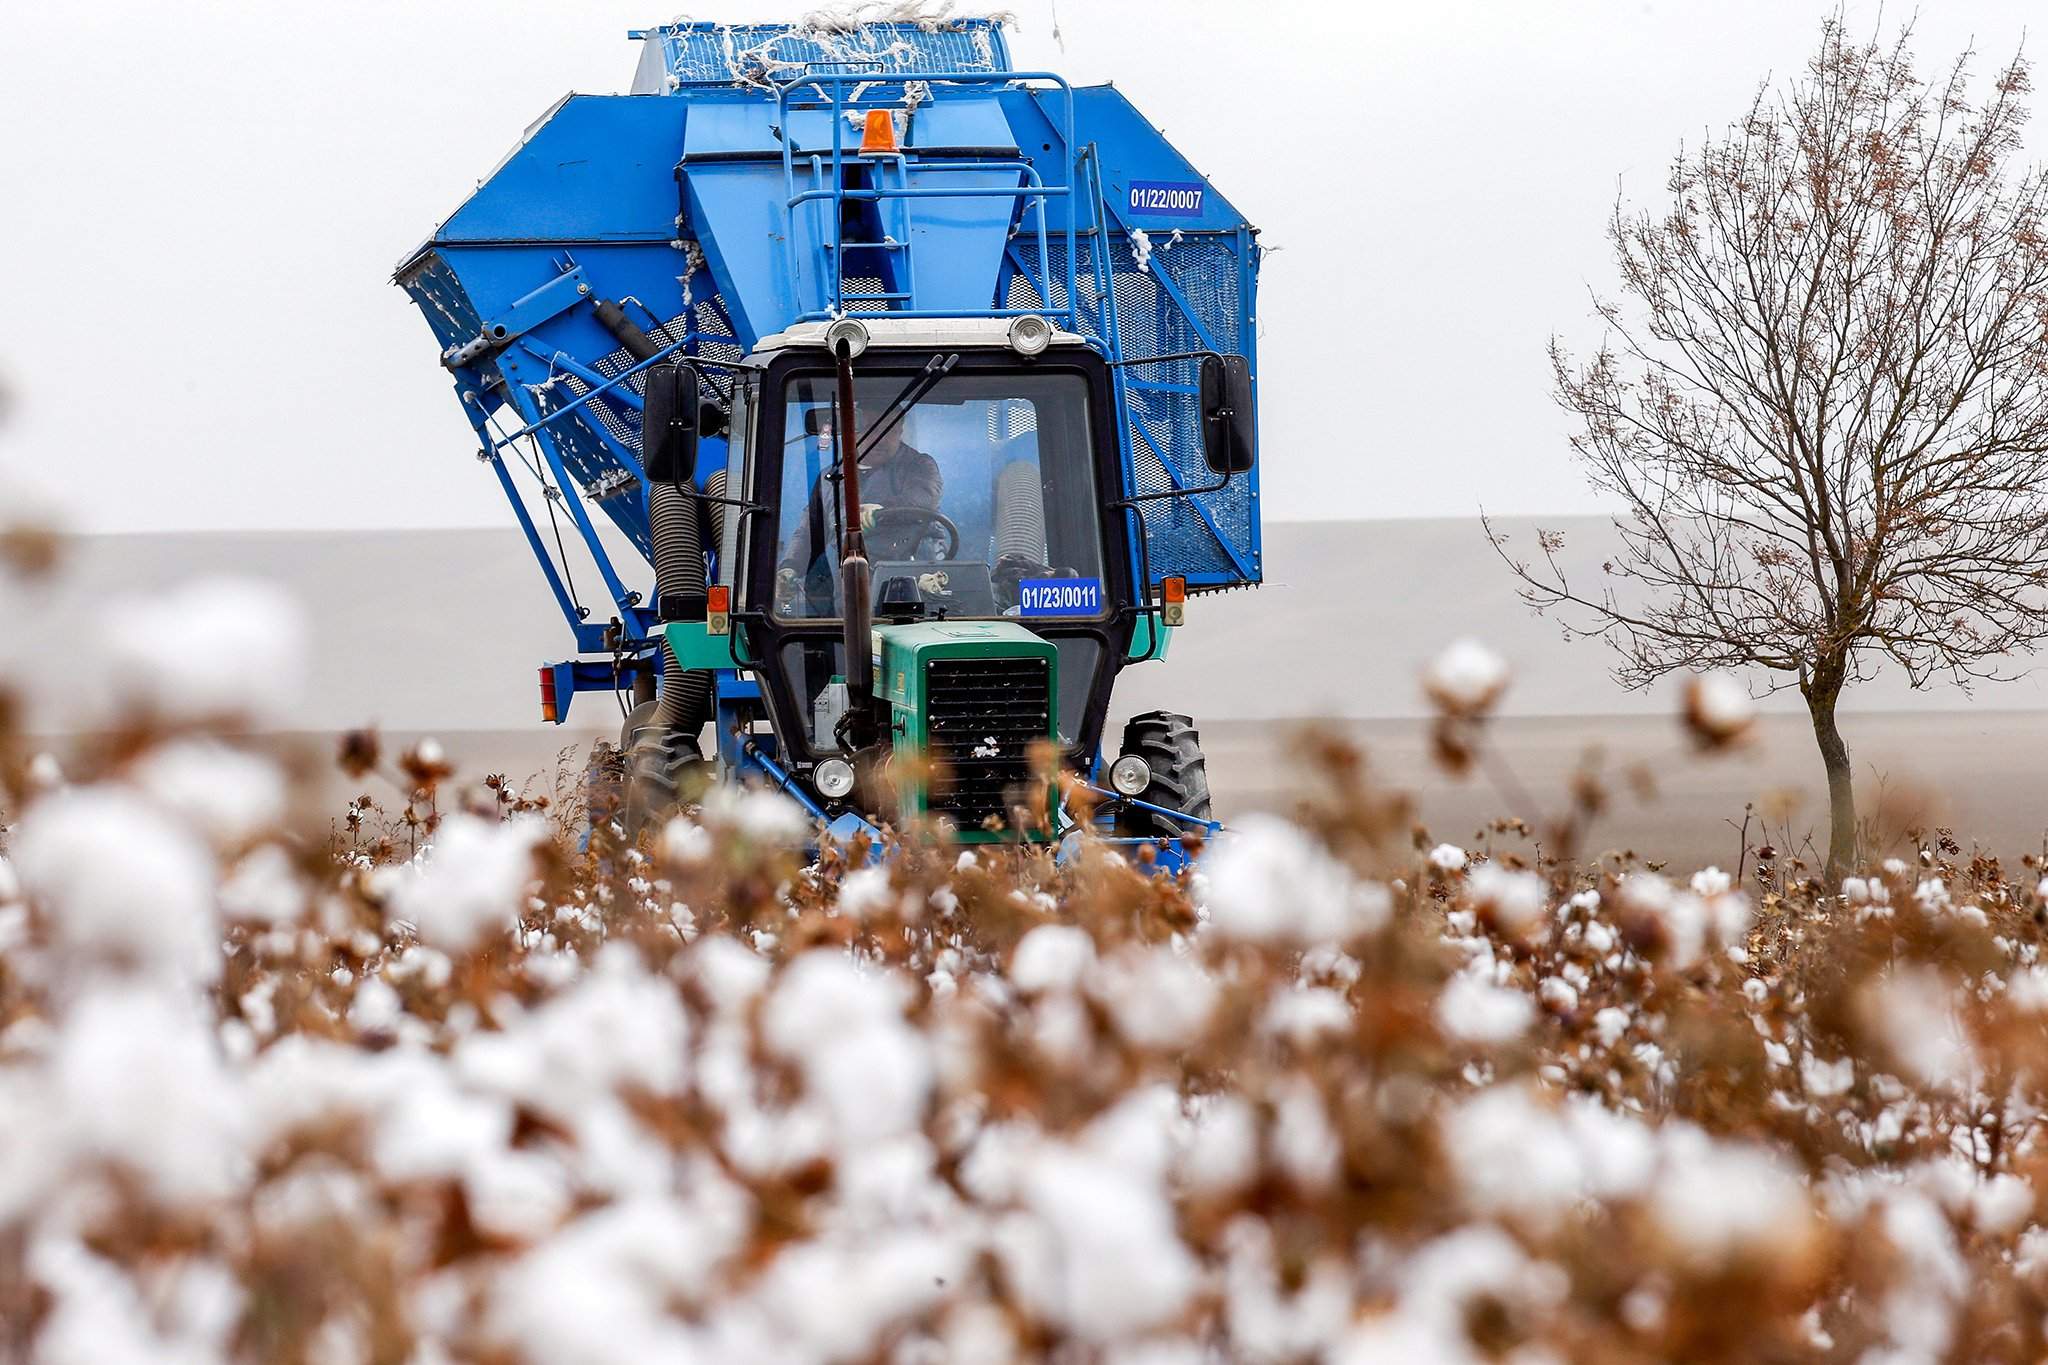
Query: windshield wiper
x,y
907,398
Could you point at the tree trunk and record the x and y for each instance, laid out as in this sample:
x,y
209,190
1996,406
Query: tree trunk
x,y
1822,690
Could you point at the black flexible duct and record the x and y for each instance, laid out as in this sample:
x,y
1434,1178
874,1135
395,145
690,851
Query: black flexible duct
x,y
685,701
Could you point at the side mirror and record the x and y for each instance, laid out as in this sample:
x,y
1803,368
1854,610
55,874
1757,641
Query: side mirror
x,y
711,420
816,420
668,425
1229,433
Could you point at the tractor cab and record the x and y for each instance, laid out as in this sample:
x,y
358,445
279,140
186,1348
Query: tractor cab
x,y
982,477
996,595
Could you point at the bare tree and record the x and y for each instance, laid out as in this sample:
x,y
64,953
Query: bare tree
x,y
1826,408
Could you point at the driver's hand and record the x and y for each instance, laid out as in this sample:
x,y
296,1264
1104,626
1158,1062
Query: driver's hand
x,y
868,513
788,589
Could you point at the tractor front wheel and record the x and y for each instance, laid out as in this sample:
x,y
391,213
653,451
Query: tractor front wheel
x,y
1172,746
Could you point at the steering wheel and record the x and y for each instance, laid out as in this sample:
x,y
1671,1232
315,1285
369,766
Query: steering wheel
x,y
894,521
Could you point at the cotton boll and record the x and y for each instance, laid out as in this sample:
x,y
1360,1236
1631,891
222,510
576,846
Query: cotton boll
x,y
1117,1265
599,1290
845,1028
1513,1156
756,813
138,1082
1051,957
1475,1010
1825,1080
865,891
471,883
1220,1152
618,1028
835,1298
1268,882
684,842
376,1007
1715,1200
185,1314
263,888
208,650
515,1195
1466,679
1447,858
120,882
1719,710
728,972
1305,1016
1610,1023
1156,998
1512,902
227,795
431,1130
1676,927
1910,1012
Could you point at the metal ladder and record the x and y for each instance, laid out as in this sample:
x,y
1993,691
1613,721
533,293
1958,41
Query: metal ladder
x,y
828,188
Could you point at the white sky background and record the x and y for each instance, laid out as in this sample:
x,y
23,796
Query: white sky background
x,y
200,206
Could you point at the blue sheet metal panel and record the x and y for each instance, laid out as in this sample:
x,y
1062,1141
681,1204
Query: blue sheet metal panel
x,y
957,244
756,52
494,278
1037,128
599,168
1134,153
736,212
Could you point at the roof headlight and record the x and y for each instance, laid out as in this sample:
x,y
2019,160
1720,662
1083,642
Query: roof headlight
x,y
848,331
1030,334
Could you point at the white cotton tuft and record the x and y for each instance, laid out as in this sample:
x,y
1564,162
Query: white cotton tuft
x,y
757,813
1268,882
845,1028
1472,1008
1465,679
1447,858
1716,1199
1513,901
1116,1264
139,1083
218,649
865,891
1911,1011
1158,999
227,795
120,881
263,888
471,882
1052,957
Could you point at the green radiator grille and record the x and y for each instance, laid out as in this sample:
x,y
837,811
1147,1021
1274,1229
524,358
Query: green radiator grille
x,y
984,714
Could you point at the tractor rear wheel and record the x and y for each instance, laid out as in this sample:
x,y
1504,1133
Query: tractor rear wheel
x,y
1180,775
664,769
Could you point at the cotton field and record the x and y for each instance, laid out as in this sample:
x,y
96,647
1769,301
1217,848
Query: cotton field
x,y
429,1080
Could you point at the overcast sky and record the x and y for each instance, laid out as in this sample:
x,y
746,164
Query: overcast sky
x,y
200,206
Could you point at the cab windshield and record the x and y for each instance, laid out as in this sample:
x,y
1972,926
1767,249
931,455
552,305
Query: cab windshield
x,y
978,502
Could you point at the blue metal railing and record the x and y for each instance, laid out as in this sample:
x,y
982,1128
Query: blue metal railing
x,y
1034,192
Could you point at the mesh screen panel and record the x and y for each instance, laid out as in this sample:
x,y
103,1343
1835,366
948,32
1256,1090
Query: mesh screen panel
x,y
1195,537
757,52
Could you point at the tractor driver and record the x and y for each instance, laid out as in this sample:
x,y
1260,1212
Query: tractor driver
x,y
892,474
